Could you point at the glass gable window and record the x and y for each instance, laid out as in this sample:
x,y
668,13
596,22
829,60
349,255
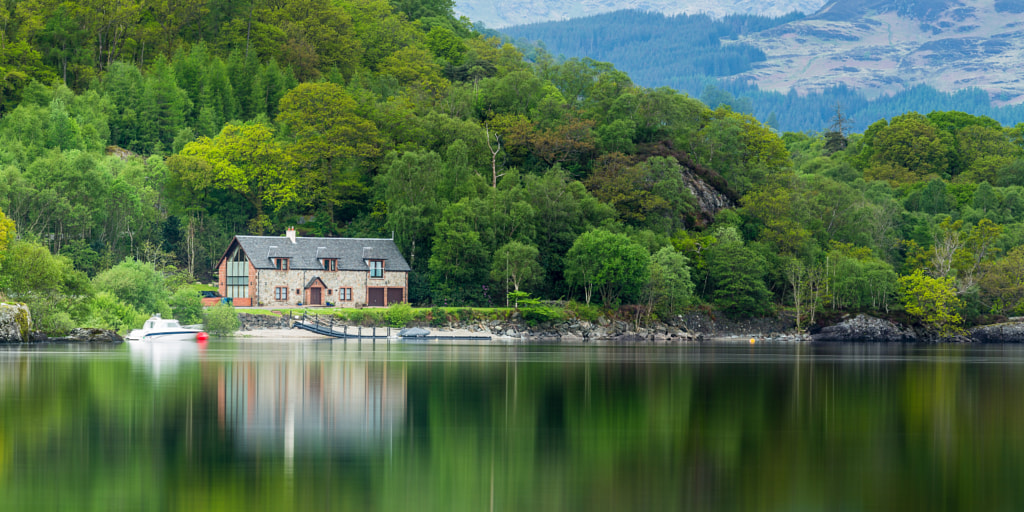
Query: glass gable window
x,y
238,275
376,268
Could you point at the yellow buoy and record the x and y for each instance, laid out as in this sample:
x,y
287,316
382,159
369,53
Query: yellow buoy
x,y
752,341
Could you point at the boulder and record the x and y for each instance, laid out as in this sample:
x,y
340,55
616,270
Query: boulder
x,y
88,335
15,323
865,328
999,333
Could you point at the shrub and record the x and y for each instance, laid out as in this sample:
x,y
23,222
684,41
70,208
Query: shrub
x,y
586,312
398,315
107,312
136,283
438,318
221,320
186,305
539,314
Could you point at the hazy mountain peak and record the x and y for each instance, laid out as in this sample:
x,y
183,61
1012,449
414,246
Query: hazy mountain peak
x,y
881,47
502,13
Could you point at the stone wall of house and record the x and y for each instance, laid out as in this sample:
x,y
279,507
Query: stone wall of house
x,y
296,280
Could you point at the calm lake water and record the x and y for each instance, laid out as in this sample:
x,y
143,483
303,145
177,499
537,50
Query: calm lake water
x,y
346,426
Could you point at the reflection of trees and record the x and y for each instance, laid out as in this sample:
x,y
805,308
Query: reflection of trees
x,y
623,428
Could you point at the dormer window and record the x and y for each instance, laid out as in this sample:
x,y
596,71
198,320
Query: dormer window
x,y
377,268
281,263
330,265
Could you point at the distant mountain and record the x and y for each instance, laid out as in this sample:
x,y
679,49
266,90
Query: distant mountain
x,y
653,48
882,47
762,58
503,13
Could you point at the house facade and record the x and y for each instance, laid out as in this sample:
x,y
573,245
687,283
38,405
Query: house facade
x,y
290,270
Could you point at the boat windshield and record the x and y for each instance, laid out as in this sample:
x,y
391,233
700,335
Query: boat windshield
x,y
173,323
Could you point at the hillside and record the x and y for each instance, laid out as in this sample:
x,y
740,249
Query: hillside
x,y
879,48
129,164
517,12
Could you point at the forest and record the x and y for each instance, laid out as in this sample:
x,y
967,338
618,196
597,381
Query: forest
x,y
686,52
139,138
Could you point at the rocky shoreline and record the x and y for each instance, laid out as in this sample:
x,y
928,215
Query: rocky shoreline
x,y
699,326
868,329
692,327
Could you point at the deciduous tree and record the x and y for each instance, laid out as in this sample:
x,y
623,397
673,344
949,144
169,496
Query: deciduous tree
x,y
932,300
516,263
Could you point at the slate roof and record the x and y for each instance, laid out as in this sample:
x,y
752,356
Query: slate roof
x,y
306,252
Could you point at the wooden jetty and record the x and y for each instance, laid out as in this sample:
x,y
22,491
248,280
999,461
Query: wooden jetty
x,y
329,328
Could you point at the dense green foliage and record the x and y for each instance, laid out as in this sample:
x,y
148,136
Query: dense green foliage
x,y
495,174
221,320
686,52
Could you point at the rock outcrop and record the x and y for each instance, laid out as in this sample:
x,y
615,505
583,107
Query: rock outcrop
x,y
999,333
15,323
80,335
88,335
864,328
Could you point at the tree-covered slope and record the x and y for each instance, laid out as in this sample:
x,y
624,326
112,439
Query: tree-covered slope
x,y
127,166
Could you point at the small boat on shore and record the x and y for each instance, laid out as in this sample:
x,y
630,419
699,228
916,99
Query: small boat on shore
x,y
165,329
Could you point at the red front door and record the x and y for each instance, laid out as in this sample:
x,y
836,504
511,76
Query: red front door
x,y
314,296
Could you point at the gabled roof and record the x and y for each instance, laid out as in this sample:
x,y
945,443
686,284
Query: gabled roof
x,y
306,252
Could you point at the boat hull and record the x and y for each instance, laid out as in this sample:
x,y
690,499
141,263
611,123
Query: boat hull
x,y
174,336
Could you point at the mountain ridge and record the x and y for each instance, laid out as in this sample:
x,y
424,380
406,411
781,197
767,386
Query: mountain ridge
x,y
504,13
881,48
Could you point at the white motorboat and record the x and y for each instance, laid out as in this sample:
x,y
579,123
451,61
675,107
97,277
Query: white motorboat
x,y
165,329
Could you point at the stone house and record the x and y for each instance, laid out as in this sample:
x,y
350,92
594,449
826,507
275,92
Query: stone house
x,y
290,270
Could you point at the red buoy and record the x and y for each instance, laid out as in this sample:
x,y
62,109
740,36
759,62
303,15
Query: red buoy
x,y
201,337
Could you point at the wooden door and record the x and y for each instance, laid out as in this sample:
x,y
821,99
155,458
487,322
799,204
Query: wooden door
x,y
314,296
396,295
375,296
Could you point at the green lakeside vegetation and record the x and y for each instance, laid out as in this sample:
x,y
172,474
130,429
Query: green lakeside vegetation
x,y
137,139
532,311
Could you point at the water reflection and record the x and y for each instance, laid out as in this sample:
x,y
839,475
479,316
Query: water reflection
x,y
162,358
315,426
306,406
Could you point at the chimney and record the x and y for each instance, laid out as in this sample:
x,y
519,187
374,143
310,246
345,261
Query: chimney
x,y
290,233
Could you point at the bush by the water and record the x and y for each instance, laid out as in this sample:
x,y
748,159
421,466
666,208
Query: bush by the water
x,y
187,305
399,315
221,320
107,312
437,317
538,314
136,283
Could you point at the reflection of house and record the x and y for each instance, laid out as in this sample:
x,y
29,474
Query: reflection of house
x,y
310,406
313,271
